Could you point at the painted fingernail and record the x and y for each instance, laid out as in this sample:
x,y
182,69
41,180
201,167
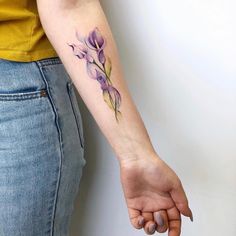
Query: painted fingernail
x,y
141,221
159,220
191,215
152,228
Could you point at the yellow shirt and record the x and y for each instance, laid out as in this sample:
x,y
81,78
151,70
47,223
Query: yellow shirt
x,y
22,37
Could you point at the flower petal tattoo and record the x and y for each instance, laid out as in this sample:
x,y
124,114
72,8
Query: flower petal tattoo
x,y
99,66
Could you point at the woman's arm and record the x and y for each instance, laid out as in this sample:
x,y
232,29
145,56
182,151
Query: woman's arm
x,y
61,20
79,32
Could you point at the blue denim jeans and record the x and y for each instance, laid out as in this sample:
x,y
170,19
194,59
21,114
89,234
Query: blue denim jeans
x,y
41,148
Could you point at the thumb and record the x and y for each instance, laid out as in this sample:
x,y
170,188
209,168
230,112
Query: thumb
x,y
179,197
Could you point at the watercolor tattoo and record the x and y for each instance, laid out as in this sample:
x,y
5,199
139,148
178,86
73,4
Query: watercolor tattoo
x,y
99,66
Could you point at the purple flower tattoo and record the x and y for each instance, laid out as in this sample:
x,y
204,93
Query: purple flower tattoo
x,y
91,49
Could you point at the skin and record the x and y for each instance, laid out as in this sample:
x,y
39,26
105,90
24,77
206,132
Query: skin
x,y
152,190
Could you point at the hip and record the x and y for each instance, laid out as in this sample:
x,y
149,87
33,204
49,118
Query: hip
x,y
41,147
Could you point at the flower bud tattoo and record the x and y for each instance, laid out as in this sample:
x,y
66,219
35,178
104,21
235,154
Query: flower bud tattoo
x,y
99,66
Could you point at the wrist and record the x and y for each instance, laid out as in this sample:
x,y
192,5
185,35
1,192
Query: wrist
x,y
136,153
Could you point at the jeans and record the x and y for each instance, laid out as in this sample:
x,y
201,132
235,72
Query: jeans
x,y
41,148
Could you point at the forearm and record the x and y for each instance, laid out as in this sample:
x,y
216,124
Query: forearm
x,y
121,122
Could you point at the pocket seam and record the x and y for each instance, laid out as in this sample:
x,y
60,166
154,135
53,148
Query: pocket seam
x,y
73,106
23,95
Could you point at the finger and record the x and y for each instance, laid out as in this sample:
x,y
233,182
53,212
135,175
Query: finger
x,y
174,218
136,218
150,225
147,216
161,220
179,197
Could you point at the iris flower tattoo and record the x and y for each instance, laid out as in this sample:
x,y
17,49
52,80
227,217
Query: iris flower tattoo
x,y
99,66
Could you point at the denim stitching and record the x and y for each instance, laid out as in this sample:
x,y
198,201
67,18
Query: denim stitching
x,y
19,97
79,127
49,61
61,150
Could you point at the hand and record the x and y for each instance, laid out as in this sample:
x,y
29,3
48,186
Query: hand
x,y
154,195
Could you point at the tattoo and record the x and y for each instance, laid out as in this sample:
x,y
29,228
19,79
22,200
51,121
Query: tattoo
x,y
99,66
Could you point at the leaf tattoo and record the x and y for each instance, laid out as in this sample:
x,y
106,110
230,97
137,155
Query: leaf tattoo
x,y
99,66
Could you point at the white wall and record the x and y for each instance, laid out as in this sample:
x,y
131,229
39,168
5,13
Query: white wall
x,y
179,59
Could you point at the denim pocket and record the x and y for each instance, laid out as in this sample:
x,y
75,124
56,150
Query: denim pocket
x,y
76,111
18,96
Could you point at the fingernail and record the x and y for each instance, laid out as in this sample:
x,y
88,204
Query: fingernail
x,y
141,221
191,216
159,220
152,228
